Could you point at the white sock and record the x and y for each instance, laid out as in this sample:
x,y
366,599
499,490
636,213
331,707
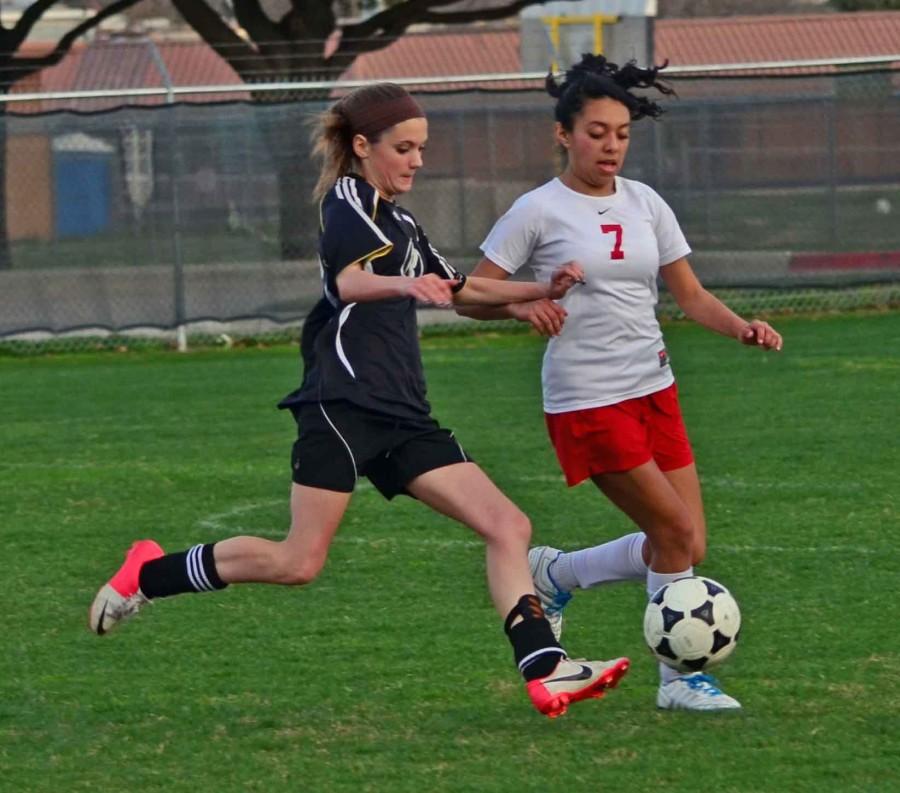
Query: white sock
x,y
617,560
655,581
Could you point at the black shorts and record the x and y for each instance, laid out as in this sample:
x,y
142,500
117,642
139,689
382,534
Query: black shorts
x,y
338,442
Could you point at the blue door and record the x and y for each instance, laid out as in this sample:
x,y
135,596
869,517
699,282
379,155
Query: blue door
x,y
82,193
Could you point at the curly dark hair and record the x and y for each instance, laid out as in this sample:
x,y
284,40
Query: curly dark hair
x,y
594,77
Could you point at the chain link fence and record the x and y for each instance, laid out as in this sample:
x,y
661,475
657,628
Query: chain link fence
x,y
126,224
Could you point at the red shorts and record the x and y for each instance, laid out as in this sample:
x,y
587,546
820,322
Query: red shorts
x,y
620,437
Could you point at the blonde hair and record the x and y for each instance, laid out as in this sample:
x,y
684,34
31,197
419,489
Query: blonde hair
x,y
366,111
332,141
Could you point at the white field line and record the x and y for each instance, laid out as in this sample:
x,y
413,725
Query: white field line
x,y
228,523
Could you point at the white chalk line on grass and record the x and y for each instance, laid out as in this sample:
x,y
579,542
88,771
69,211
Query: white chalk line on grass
x,y
221,523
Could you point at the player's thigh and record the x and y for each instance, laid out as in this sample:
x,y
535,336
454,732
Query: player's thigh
x,y
316,514
686,483
465,493
646,495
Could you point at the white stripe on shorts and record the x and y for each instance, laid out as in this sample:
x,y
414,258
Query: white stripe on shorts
x,y
343,440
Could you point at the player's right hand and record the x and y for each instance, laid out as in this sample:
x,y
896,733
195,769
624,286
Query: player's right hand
x,y
545,316
431,290
564,278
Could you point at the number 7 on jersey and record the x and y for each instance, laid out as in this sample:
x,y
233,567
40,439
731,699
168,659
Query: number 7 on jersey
x,y
614,228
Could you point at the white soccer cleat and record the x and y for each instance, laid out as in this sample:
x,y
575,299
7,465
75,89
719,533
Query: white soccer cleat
x,y
553,598
696,691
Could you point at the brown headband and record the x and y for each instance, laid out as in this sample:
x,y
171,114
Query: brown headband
x,y
382,115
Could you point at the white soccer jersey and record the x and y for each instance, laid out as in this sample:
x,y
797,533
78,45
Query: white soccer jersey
x,y
611,346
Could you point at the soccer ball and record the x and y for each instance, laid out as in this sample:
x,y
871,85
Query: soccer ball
x,y
692,623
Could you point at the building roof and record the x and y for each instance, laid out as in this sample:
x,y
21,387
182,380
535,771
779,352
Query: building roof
x,y
441,53
684,42
749,39
126,63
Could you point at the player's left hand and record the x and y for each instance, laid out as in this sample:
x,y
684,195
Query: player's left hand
x,y
564,278
761,334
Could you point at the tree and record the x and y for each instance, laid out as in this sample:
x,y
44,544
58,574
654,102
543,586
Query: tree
x,y
292,45
308,42
722,8
866,5
14,68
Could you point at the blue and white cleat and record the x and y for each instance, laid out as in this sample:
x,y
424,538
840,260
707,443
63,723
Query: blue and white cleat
x,y
552,597
696,691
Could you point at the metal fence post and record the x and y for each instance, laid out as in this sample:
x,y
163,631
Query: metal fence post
x,y
831,142
177,250
460,158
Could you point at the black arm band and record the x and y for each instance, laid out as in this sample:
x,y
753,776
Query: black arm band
x,y
459,284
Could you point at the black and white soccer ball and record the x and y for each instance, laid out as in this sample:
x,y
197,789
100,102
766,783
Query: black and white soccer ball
x,y
692,623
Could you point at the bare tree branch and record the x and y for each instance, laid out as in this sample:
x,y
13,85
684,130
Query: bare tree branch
x,y
395,19
309,19
293,45
392,20
350,49
19,68
252,18
383,29
25,23
484,14
241,56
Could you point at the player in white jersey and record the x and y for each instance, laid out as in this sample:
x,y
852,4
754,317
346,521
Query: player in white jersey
x,y
610,399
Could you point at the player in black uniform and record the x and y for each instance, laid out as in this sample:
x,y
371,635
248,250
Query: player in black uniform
x,y
362,409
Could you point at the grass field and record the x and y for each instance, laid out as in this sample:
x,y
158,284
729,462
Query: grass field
x,y
390,673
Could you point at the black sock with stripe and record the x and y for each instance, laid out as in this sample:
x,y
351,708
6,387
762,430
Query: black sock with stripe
x,y
536,650
193,570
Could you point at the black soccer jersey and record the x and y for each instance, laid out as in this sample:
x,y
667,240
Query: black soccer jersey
x,y
367,353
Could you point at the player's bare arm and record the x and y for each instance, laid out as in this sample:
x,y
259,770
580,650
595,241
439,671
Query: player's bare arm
x,y
706,309
495,291
544,314
356,285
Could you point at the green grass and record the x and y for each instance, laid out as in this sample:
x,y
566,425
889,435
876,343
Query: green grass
x,y
390,672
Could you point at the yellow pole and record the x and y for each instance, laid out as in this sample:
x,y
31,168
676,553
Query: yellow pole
x,y
597,20
554,39
598,34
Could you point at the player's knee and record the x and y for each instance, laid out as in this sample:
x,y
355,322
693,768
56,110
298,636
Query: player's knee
x,y
699,551
521,528
512,528
678,538
302,570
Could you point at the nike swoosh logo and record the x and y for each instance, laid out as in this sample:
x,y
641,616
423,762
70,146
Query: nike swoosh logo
x,y
603,211
100,629
584,674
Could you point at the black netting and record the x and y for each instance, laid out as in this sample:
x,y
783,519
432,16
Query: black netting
x,y
160,216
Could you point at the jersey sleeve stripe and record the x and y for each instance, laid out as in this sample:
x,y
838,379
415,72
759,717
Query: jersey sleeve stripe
x,y
351,196
345,189
451,273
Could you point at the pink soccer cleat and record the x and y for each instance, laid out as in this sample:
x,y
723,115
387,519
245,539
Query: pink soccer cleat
x,y
121,597
574,680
